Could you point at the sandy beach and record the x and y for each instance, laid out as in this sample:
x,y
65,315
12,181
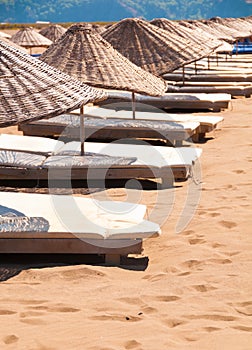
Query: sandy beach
x,y
188,290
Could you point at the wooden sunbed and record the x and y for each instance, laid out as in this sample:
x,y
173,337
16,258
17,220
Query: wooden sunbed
x,y
232,88
55,127
22,158
191,101
76,226
68,125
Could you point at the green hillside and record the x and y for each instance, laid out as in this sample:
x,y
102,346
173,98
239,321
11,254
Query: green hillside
x,y
29,11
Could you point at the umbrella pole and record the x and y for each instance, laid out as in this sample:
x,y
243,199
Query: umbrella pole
x,y
133,106
195,65
183,75
208,62
82,131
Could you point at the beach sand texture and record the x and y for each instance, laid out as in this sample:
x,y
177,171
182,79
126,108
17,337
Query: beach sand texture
x,y
191,290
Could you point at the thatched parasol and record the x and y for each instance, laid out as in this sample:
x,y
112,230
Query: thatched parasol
x,y
206,27
153,48
29,38
53,32
32,90
235,25
195,34
11,43
82,53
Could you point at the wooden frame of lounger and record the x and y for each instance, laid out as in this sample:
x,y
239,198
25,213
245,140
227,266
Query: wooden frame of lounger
x,y
65,243
216,76
166,102
207,87
123,172
174,137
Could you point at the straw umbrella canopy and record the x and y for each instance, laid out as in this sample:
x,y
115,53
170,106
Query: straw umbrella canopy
x,y
31,90
53,32
98,27
29,38
11,43
82,53
153,48
196,35
239,29
205,27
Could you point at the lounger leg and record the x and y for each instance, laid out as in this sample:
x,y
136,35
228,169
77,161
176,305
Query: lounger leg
x,y
167,182
113,259
198,137
178,143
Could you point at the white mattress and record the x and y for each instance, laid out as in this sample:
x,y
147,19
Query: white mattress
x,y
146,154
157,114
84,216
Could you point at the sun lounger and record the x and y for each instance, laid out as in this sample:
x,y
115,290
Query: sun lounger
x,y
215,102
110,160
68,125
73,225
123,111
214,76
232,88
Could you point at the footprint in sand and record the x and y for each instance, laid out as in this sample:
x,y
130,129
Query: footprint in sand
x,y
164,298
203,288
31,314
243,328
244,308
114,317
132,344
214,214
172,323
188,232
33,321
239,171
7,312
193,264
10,339
32,301
211,329
193,241
228,224
145,308
213,317
186,273
55,308
220,261
216,245
232,253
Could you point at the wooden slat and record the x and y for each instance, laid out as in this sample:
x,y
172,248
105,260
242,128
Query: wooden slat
x,y
69,246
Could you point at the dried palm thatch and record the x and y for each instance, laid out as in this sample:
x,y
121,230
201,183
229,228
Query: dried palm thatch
x,y
98,28
84,54
11,43
29,38
153,48
238,27
53,32
196,35
32,90
206,27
